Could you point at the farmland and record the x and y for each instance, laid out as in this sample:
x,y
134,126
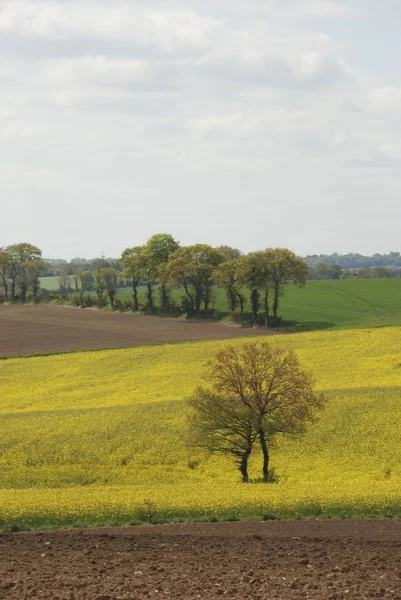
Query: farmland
x,y
101,437
41,329
319,305
275,560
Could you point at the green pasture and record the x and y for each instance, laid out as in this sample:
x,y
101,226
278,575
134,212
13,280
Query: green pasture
x,y
325,304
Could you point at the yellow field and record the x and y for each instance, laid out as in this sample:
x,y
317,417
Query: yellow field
x,y
100,436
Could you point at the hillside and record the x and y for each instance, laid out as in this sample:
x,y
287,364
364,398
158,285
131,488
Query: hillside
x,y
320,304
100,437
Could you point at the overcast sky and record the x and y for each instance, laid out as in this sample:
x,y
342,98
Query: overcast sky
x,y
252,123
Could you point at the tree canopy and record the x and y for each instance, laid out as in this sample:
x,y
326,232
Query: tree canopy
x,y
254,391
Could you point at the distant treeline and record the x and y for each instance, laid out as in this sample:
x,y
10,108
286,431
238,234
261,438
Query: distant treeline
x,y
356,261
351,260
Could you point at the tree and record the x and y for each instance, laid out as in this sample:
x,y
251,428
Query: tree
x,y
21,255
327,271
34,269
159,248
219,425
110,276
5,263
263,388
64,280
133,261
229,252
283,267
227,274
84,279
192,267
99,285
251,275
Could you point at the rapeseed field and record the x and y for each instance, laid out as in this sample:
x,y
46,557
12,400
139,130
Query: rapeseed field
x,y
100,437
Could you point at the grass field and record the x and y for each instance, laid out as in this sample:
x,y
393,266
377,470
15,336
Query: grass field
x,y
320,304
100,437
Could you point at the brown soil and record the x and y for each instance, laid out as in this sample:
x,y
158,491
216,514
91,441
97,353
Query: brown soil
x,y
29,329
302,559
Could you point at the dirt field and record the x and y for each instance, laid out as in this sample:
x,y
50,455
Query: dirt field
x,y
317,560
29,329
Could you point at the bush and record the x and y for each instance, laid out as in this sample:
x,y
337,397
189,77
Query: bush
x,y
100,302
76,300
118,305
269,517
87,301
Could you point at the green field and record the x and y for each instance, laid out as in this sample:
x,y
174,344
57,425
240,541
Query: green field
x,y
99,437
320,304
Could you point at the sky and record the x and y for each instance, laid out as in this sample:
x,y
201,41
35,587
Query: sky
x,y
252,123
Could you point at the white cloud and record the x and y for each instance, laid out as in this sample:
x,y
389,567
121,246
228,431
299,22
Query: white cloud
x,y
296,9
386,97
131,22
165,105
235,124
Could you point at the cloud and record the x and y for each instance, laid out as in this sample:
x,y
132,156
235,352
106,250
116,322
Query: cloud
x,y
179,103
133,22
296,9
386,97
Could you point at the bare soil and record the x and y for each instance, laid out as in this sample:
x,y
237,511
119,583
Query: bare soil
x,y
30,329
331,560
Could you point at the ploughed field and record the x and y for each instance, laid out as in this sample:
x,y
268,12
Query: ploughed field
x,y
101,437
321,560
29,329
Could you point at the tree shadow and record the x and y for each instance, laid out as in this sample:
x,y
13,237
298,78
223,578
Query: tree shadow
x,y
306,325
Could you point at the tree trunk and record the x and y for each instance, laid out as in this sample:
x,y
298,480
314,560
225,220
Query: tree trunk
x,y
135,295
198,300
13,288
23,291
5,286
207,297
243,466
191,300
150,297
232,298
266,302
255,304
265,452
241,302
275,302
35,290
164,296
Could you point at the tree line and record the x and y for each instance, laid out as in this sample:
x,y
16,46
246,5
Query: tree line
x,y
259,277
353,260
256,279
160,265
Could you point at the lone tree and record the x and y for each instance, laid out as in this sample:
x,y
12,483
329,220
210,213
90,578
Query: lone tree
x,y
255,392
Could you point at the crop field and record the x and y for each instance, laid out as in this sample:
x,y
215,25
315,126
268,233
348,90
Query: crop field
x,y
101,437
319,305
44,328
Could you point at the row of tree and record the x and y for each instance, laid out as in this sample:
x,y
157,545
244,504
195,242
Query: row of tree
x,y
197,268
161,263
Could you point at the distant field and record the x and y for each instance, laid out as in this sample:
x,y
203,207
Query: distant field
x,y
100,437
324,304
